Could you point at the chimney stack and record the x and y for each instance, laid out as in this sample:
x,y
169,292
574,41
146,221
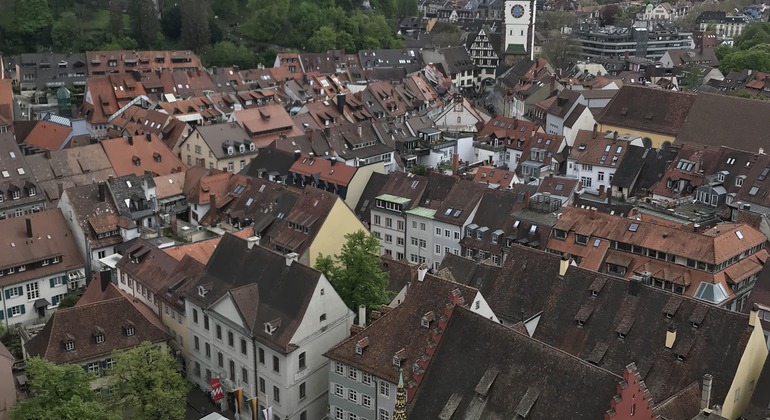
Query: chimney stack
x,y
130,140
213,202
705,393
455,163
526,200
670,336
596,129
148,137
614,137
753,314
297,154
341,103
634,286
60,187
252,240
422,270
102,191
360,131
564,264
47,154
291,257
29,227
333,160
362,315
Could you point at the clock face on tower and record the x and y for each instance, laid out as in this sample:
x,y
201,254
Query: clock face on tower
x,y
517,11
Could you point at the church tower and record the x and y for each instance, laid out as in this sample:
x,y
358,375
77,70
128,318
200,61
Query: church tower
x,y
520,28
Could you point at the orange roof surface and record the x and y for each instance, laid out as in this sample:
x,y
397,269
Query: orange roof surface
x,y
201,251
336,173
491,175
265,124
47,135
6,102
135,155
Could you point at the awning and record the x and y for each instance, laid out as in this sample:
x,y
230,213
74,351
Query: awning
x,y
41,303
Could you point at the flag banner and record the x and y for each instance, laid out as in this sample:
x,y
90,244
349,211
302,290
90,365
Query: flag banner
x,y
216,389
254,411
238,398
268,413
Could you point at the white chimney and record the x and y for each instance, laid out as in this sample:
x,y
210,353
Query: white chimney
x,y
291,257
705,393
362,315
252,240
422,270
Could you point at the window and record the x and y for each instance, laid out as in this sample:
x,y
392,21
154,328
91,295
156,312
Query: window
x,y
261,356
581,239
388,222
384,389
353,395
338,390
400,224
438,231
366,401
262,385
276,394
322,318
600,176
353,374
32,290
339,368
302,360
208,350
388,239
339,414
197,369
377,220
230,341
195,315
220,359
276,366
438,249
69,346
243,346
352,416
93,367
384,414
206,322
586,181
219,332
302,391
245,375
366,378
197,342
422,226
129,331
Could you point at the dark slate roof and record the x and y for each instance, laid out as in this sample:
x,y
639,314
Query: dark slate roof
x,y
488,371
529,285
270,161
721,120
91,213
263,287
400,273
400,328
460,202
630,167
574,115
457,59
647,109
439,186
366,202
463,270
82,323
262,203
128,187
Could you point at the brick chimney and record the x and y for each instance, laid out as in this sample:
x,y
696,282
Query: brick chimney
x,y
213,202
455,163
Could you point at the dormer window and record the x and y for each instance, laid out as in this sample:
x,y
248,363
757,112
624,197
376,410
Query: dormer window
x,y
272,326
69,346
396,361
399,357
128,329
99,338
242,148
156,156
202,291
230,150
427,319
15,194
252,147
361,345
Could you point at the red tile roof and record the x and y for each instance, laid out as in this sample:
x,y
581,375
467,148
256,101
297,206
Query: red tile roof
x,y
47,135
135,155
327,170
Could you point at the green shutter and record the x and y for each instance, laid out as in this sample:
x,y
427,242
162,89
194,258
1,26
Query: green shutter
x,y
10,314
52,283
21,291
2,315
23,309
7,293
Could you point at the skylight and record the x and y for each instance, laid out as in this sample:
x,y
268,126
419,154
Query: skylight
x,y
448,211
739,234
634,227
597,242
753,190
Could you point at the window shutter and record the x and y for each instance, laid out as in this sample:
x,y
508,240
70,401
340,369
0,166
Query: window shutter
x,y
2,315
23,309
52,282
9,313
7,294
21,291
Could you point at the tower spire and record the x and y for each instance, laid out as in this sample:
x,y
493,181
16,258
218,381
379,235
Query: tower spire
x,y
400,411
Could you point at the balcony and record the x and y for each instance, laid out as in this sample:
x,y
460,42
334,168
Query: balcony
x,y
489,147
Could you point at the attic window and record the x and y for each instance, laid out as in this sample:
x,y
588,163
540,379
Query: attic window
x,y
136,160
634,227
582,147
128,328
272,326
624,111
448,211
361,345
156,156
99,338
202,291
427,319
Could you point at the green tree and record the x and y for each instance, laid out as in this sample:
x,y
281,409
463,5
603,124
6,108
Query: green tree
x,y
554,20
66,33
144,22
116,17
406,8
195,24
33,21
755,33
147,385
171,22
227,54
68,301
59,392
757,58
355,273
562,50
267,18
324,39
